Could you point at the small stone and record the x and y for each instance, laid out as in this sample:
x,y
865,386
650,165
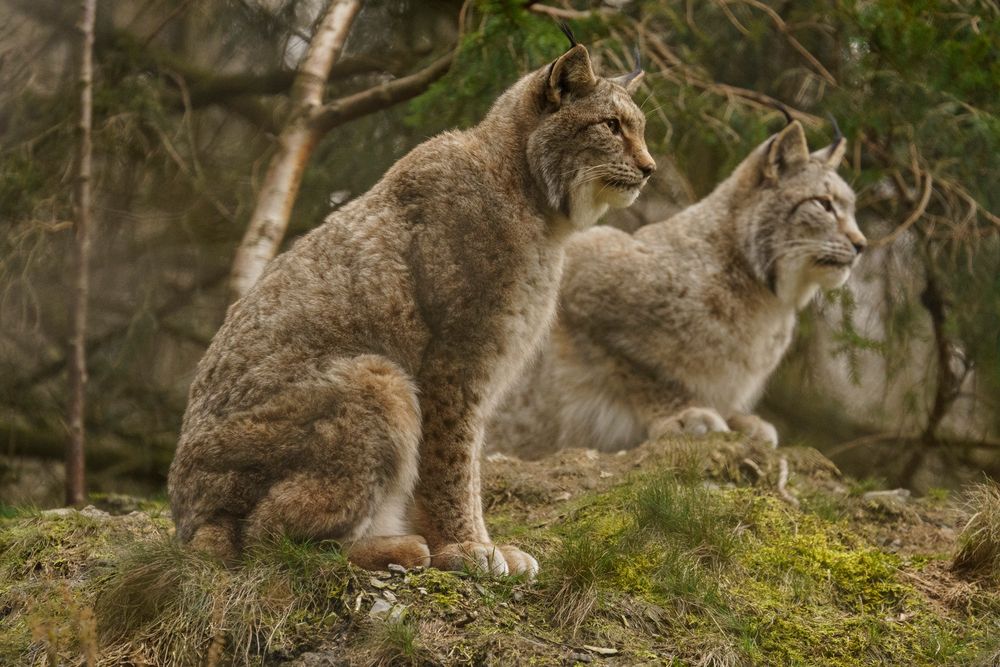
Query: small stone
x,y
605,474
395,568
380,608
389,595
467,618
60,511
565,495
92,512
377,583
600,650
901,495
581,657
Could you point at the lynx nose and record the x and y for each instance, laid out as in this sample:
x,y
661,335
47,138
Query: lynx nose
x,y
859,245
647,168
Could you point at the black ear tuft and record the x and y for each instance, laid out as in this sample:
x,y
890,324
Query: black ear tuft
x,y
568,32
837,134
784,110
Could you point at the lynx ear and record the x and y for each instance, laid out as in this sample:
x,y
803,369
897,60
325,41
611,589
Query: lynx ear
x,y
571,74
832,155
630,82
786,151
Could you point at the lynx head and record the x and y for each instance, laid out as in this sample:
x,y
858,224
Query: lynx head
x,y
799,232
585,146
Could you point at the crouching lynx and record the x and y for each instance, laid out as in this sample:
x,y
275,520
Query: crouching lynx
x,y
345,396
677,327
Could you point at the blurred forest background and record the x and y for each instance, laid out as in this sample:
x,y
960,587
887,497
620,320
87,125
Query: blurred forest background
x,y
895,376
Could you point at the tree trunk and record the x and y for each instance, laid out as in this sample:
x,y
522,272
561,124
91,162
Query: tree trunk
x,y
295,144
75,477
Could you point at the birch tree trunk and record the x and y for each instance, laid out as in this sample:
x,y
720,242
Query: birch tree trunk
x,y
75,476
295,144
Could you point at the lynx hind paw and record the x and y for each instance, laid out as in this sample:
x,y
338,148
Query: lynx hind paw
x,y
377,553
756,428
692,421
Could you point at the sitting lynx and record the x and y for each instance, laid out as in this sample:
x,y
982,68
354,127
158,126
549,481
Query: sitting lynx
x,y
345,396
677,327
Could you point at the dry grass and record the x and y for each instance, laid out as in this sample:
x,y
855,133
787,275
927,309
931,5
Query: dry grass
x,y
399,641
162,604
978,554
579,565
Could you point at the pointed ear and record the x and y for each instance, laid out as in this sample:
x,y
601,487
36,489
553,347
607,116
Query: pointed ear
x,y
832,155
786,151
570,74
630,82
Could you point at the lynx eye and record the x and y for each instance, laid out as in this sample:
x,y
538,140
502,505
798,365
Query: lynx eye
x,y
827,204
614,125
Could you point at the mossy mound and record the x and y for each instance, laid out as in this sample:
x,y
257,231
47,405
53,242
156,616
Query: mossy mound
x,y
677,553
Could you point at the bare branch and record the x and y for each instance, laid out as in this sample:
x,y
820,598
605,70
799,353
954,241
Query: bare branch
x,y
914,215
295,144
560,13
796,44
783,481
674,68
380,97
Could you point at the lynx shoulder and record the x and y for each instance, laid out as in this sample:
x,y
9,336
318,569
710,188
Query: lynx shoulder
x,y
677,327
345,395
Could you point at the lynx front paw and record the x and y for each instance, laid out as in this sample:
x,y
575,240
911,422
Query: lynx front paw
x,y
486,558
755,427
519,562
692,421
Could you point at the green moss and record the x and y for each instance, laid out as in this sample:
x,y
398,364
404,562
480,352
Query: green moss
x,y
443,589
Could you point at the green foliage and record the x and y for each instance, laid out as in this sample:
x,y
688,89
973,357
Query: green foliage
x,y
509,42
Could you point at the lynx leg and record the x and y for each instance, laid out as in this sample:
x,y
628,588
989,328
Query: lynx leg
x,y
359,460
755,427
332,457
448,506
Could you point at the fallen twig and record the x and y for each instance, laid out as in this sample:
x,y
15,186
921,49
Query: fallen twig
x,y
783,481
